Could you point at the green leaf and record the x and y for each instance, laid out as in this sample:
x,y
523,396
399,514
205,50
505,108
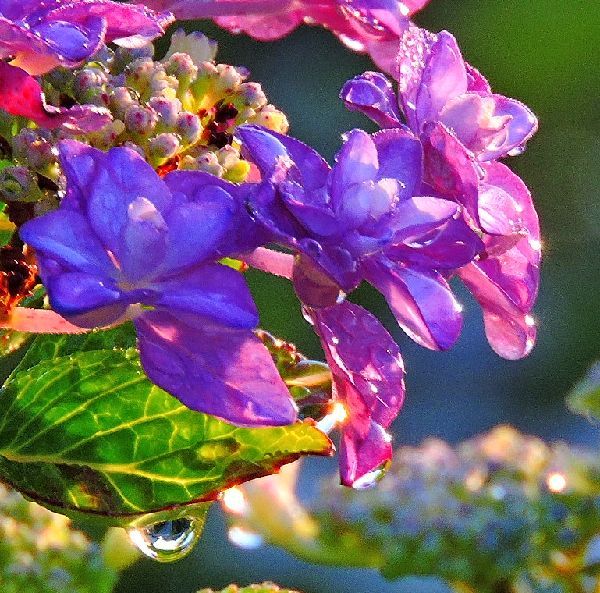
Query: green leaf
x,y
264,588
87,432
7,228
585,397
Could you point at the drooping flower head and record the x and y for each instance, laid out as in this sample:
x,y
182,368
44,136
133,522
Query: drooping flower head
x,y
464,128
366,218
126,244
41,34
369,26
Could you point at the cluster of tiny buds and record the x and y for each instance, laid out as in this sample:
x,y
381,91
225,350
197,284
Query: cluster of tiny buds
x,y
178,113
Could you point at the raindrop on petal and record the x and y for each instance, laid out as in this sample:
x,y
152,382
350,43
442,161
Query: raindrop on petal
x,y
166,541
370,479
516,151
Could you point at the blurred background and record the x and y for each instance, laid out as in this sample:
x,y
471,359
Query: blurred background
x,y
547,54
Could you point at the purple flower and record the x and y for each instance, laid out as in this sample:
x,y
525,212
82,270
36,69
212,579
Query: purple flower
x,y
436,86
364,219
464,128
370,26
21,94
126,244
42,34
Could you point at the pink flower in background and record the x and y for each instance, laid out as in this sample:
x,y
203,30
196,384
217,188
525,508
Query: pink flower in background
x,y
366,26
39,35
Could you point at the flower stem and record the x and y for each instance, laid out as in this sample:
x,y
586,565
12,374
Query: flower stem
x,y
39,321
273,262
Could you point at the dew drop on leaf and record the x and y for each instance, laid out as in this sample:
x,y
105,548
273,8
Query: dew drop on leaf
x,y
166,541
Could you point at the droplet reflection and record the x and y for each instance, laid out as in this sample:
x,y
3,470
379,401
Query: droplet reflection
x,y
166,541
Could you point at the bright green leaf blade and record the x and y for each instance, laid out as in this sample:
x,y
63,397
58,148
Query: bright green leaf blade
x,y
48,346
264,588
88,432
585,397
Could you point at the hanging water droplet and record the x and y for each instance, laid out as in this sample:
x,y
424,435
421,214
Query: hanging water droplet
x,y
516,151
244,538
166,541
370,479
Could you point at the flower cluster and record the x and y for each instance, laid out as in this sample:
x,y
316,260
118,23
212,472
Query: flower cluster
x,y
155,229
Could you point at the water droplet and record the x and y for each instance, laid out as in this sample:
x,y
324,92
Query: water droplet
x,y
370,479
244,538
166,541
516,151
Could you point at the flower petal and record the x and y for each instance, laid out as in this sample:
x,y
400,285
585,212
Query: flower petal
x,y
421,301
510,332
371,93
214,369
212,291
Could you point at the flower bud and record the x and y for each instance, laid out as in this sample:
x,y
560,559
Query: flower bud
x,y
252,94
229,78
188,126
88,86
182,67
199,47
140,121
120,100
271,118
168,110
162,147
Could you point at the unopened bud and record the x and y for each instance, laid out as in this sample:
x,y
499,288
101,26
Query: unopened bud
x,y
271,118
168,110
182,67
189,127
88,86
199,47
120,100
162,147
140,121
252,94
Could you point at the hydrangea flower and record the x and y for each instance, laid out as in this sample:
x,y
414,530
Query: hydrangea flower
x,y
465,128
363,219
367,218
370,26
41,34
126,244
21,94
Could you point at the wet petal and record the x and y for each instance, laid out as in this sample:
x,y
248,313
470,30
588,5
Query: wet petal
x,y
362,455
214,369
371,93
357,161
421,301
510,332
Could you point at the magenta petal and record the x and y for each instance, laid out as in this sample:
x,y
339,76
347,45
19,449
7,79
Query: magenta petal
x,y
371,93
21,94
214,369
522,125
126,24
364,457
421,301
366,364
510,332
449,169
444,78
515,271
448,247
